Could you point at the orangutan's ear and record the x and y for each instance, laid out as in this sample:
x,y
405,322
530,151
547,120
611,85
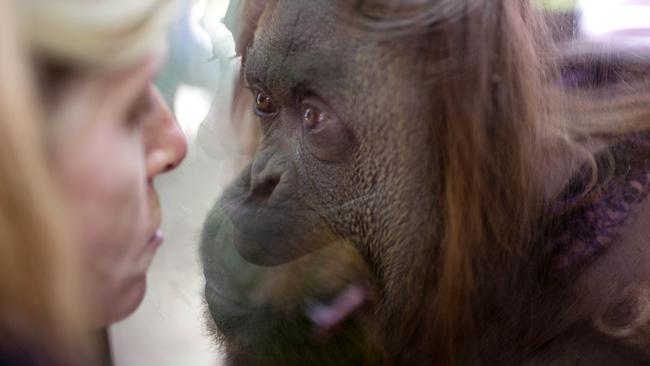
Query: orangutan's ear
x,y
241,19
628,320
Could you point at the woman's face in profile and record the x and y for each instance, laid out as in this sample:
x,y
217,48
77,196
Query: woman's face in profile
x,y
112,134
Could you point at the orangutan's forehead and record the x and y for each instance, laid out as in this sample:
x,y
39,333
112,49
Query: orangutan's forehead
x,y
377,17
293,24
394,5
295,41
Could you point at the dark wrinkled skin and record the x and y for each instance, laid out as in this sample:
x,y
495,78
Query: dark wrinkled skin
x,y
363,183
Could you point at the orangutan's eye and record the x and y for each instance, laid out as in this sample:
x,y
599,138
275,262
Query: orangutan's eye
x,y
324,134
313,118
263,105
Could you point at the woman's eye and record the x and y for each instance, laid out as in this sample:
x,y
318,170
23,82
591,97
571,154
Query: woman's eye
x,y
263,105
141,109
313,118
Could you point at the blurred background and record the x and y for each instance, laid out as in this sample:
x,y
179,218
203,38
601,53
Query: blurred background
x,y
169,328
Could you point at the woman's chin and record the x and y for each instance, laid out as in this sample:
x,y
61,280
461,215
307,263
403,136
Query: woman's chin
x,y
120,306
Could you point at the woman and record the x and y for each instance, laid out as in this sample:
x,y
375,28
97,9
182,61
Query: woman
x,y
108,135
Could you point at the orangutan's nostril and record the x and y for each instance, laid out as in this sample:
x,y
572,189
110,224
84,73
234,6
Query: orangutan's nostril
x,y
265,187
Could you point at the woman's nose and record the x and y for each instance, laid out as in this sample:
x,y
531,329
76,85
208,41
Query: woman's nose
x,y
167,145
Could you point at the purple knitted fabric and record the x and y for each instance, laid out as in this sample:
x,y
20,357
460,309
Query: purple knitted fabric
x,y
586,231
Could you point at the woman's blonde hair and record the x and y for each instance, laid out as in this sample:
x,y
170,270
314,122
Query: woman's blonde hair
x,y
96,33
40,307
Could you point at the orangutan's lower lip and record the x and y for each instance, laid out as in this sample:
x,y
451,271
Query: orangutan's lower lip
x,y
156,239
